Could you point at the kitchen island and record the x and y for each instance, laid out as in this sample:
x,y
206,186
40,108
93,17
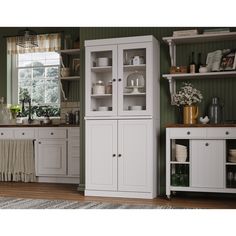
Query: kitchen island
x,y
207,164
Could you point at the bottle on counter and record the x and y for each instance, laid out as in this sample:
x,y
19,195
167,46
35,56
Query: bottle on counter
x,y
192,65
199,61
215,111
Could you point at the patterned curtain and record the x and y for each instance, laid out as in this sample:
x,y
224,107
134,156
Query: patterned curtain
x,y
46,42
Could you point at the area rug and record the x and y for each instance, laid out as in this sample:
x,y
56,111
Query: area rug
x,y
24,203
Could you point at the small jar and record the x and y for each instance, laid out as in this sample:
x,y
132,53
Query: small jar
x,y
99,88
109,88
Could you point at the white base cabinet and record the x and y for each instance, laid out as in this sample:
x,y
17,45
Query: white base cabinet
x,y
56,149
57,154
51,158
120,158
208,167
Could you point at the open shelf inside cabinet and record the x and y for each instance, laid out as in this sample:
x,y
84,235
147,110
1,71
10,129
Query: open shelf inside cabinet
x,y
230,164
179,163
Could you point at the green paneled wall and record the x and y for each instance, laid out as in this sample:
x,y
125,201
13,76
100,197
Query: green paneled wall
x,y
224,88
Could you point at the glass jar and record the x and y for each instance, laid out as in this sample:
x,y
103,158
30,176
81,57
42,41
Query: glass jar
x,y
109,88
99,87
4,112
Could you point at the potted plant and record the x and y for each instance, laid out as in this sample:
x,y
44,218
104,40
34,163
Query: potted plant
x,y
188,97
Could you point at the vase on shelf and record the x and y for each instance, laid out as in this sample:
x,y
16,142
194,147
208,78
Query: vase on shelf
x,y
190,114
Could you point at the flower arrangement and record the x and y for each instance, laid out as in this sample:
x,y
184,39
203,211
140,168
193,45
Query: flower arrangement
x,y
187,95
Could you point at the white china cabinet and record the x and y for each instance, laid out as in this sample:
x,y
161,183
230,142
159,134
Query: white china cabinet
x,y
122,116
210,165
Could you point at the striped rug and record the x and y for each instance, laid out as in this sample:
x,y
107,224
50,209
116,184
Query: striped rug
x,y
24,203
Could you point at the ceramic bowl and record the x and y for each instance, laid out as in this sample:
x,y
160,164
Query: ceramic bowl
x,y
65,72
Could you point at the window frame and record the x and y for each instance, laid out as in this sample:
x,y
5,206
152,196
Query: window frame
x,y
14,81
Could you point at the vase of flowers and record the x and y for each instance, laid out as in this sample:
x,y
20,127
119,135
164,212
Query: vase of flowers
x,y
188,97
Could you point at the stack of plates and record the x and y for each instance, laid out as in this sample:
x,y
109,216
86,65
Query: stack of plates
x,y
181,153
232,155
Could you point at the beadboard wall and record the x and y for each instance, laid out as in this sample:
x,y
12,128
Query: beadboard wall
x,y
225,89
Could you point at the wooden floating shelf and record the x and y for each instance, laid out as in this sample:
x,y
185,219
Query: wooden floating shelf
x,y
70,78
74,51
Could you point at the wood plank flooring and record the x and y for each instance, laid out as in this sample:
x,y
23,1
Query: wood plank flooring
x,y
69,192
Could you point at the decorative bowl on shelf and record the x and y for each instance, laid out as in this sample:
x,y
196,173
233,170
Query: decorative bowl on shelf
x,y
135,108
65,72
103,61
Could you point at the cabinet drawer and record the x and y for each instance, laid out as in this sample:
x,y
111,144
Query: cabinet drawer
x,y
218,133
187,133
6,133
52,133
24,133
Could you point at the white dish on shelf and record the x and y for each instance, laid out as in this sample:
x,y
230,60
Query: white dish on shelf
x,y
135,108
103,61
103,108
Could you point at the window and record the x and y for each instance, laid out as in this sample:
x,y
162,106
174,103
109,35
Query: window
x,y
36,77
35,74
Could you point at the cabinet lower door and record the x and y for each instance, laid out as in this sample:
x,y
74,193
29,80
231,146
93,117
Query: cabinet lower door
x,y
207,163
134,155
51,158
101,158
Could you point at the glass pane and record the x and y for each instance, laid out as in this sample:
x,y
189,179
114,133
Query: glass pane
x,y
52,72
38,91
39,72
24,92
52,94
24,74
134,79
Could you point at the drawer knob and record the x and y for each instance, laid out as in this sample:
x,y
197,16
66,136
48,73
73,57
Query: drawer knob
x,y
227,132
39,142
2,133
206,144
52,133
23,133
188,133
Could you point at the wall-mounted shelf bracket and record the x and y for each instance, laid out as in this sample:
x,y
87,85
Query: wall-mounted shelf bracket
x,y
172,88
172,51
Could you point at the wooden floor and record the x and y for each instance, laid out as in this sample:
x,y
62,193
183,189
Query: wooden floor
x,y
69,192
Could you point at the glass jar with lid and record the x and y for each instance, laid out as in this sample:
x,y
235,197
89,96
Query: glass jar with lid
x,y
99,87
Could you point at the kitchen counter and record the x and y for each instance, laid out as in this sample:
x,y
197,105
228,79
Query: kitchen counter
x,y
200,125
37,125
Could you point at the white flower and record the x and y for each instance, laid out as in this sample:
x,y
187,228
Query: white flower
x,y
187,95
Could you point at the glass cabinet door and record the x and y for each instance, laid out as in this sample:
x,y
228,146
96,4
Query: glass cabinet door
x,y
134,87
101,85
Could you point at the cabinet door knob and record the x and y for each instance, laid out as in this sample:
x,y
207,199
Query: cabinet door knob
x,y
188,133
114,80
119,79
23,133
39,142
52,133
2,133
119,155
114,155
206,144
227,132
